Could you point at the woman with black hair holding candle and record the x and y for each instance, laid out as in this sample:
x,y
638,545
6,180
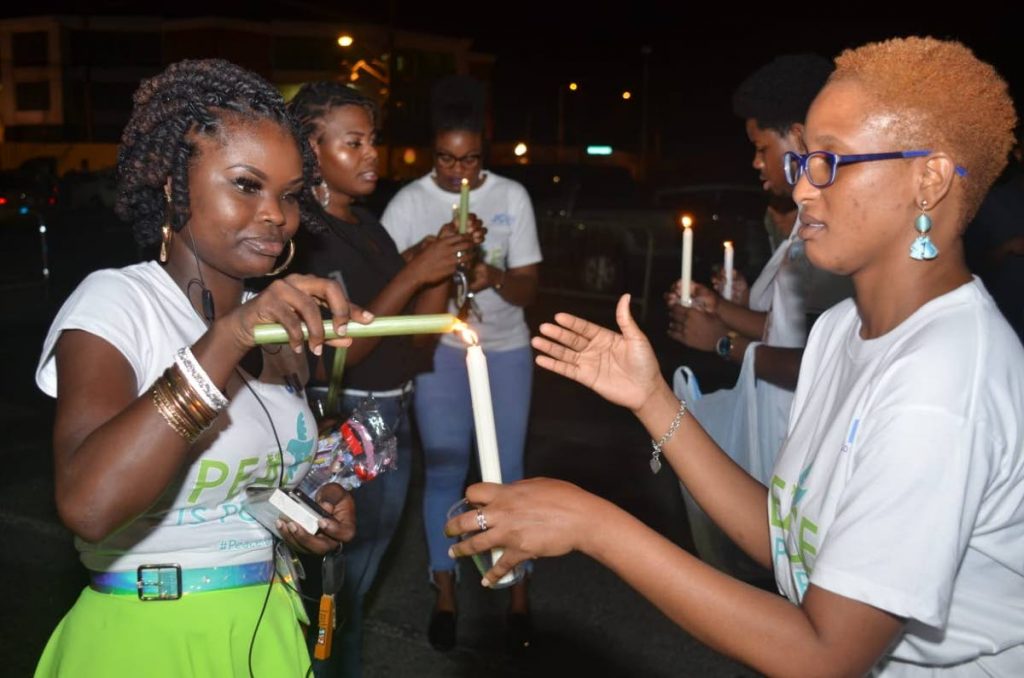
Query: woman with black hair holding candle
x,y
352,247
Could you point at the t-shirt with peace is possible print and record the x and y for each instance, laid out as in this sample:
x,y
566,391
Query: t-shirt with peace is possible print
x,y
901,483
199,521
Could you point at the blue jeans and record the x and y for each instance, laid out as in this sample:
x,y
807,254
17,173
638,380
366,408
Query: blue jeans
x,y
444,415
379,505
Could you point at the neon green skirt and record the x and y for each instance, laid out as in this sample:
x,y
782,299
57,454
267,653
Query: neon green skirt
x,y
202,634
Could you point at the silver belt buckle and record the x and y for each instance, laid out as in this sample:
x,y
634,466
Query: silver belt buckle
x,y
159,582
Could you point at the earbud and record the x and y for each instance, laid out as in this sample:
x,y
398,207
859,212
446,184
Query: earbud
x,y
208,311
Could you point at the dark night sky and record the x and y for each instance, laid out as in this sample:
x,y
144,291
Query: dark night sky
x,y
694,63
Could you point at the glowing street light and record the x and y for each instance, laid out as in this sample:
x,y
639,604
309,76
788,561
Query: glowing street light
x,y
627,95
345,40
520,149
573,86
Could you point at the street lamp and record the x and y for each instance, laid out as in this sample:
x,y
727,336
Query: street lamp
x,y
573,87
627,95
345,40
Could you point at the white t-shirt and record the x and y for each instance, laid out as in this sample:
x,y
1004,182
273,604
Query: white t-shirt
x,y
790,288
901,483
199,521
422,207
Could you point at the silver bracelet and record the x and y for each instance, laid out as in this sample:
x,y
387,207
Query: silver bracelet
x,y
656,446
199,379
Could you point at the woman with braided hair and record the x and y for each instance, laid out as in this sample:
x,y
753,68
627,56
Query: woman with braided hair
x,y
166,411
351,246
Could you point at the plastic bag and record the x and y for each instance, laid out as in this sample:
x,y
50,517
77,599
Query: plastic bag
x,y
730,417
354,452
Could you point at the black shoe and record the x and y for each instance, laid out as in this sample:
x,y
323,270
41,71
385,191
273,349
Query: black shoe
x,y
441,632
518,631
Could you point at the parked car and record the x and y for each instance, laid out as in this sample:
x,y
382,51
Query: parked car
x,y
721,212
23,189
603,234
26,201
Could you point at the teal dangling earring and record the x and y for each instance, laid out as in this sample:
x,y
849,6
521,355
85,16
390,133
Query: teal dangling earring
x,y
923,248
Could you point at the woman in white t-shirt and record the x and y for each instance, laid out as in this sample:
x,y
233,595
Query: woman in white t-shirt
x,y
894,520
504,280
166,414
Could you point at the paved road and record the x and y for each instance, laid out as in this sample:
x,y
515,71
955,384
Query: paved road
x,y
588,622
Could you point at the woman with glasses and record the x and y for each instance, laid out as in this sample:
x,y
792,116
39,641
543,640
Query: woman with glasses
x,y
503,280
894,520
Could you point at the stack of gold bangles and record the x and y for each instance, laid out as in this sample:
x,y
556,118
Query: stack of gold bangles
x,y
181,404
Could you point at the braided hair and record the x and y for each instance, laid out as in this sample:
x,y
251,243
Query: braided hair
x,y
315,100
191,97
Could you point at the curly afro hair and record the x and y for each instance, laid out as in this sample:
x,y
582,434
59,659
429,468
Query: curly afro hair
x,y
943,98
190,98
778,94
315,100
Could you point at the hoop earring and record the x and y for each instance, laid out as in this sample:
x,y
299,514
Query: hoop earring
x,y
287,261
923,249
325,194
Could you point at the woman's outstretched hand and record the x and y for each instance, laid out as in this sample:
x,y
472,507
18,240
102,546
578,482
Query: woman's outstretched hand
x,y
622,368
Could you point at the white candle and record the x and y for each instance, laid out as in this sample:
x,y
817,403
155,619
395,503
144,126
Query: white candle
x,y
727,266
687,269
483,415
483,422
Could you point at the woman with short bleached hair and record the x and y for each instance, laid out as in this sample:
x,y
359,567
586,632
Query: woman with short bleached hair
x,y
894,520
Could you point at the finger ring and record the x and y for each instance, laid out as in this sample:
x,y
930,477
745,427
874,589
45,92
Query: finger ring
x,y
481,520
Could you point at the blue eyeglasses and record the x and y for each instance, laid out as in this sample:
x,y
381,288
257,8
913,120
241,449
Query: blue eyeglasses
x,y
820,166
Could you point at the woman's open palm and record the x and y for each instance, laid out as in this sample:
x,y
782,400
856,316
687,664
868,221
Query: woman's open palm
x,y
622,368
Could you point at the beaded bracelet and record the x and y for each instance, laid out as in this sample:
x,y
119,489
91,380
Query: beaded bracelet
x,y
199,379
656,446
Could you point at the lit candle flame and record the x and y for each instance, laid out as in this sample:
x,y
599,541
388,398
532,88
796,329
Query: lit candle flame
x,y
468,335
728,243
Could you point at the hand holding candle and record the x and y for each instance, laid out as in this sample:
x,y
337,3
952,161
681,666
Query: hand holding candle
x,y
686,277
727,270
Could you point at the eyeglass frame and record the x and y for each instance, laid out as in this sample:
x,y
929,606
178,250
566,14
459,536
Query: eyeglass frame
x,y
839,160
448,161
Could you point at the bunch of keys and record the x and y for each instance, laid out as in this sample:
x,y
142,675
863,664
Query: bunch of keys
x,y
464,297
332,576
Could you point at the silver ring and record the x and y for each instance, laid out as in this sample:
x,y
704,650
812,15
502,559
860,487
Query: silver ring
x,y
481,520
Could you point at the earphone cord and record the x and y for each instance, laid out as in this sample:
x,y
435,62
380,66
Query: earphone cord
x,y
274,540
209,315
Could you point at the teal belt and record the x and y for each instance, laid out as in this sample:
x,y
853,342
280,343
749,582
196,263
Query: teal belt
x,y
171,581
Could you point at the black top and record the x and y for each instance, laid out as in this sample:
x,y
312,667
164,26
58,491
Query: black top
x,y
364,259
